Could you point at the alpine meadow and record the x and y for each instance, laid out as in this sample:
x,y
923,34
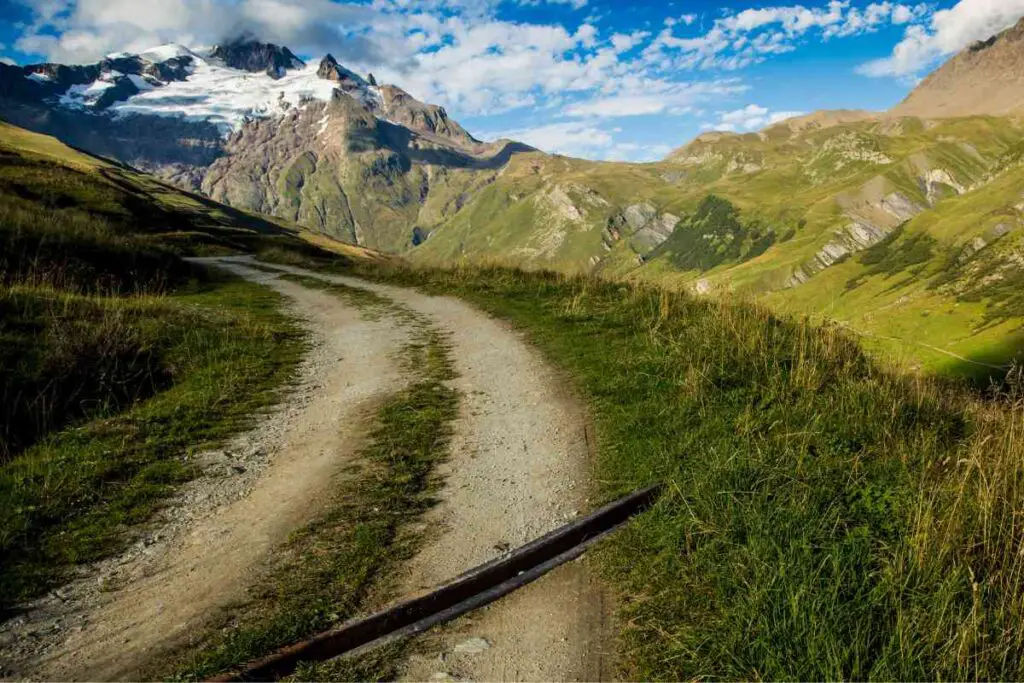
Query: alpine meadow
x,y
693,352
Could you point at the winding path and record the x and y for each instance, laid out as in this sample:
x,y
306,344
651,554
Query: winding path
x,y
518,468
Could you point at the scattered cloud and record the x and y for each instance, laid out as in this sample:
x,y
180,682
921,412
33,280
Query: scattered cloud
x,y
738,40
575,4
587,138
947,32
573,138
624,42
631,151
750,117
638,97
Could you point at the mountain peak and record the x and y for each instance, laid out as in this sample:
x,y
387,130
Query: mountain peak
x,y
332,71
249,54
986,78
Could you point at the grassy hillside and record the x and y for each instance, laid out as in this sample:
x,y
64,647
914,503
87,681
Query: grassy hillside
x,y
117,357
797,206
824,517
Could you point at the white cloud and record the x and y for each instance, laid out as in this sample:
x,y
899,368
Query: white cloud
x,y
631,151
685,19
738,40
654,96
491,66
948,32
573,138
750,117
575,4
624,42
8,61
583,139
876,15
85,30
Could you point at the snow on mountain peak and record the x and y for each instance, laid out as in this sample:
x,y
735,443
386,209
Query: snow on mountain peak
x,y
161,53
227,97
226,85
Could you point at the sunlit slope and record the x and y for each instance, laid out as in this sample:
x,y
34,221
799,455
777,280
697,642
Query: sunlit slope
x,y
155,212
787,213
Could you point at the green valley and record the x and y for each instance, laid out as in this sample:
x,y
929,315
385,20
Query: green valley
x,y
786,215
291,363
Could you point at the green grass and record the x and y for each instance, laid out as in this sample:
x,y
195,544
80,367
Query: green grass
x,y
714,235
118,358
345,563
824,518
214,358
803,185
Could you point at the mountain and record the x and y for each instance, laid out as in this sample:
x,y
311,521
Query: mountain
x,y
252,124
985,79
905,228
251,55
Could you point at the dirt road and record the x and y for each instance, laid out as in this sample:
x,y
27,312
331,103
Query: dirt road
x,y
518,468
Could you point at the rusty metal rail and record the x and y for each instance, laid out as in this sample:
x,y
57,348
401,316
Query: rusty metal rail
x,y
475,588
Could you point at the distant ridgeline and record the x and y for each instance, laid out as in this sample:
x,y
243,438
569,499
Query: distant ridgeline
x,y
786,214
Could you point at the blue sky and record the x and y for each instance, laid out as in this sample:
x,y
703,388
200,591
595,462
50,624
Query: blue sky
x,y
593,78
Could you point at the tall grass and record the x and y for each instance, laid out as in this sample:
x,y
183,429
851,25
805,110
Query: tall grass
x,y
66,356
824,517
117,358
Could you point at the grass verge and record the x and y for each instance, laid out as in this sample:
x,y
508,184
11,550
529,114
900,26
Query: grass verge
x,y
218,352
824,518
343,564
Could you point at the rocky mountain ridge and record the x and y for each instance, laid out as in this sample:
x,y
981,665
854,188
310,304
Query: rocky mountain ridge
x,y
251,55
254,125
832,202
987,78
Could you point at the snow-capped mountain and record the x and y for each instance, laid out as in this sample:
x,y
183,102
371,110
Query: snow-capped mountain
x,y
227,85
252,124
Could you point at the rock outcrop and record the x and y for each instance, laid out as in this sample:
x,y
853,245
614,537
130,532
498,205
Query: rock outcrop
x,y
404,109
332,71
642,226
252,55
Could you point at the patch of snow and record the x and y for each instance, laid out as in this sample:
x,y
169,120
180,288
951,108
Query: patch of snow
x,y
227,97
119,55
162,53
81,96
373,98
140,82
323,125
74,97
39,78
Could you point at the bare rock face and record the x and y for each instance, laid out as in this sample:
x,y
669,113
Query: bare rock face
x,y
863,232
987,78
254,56
330,70
402,108
337,168
642,226
639,215
122,89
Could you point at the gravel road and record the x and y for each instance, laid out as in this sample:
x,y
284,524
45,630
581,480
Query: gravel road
x,y
518,468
